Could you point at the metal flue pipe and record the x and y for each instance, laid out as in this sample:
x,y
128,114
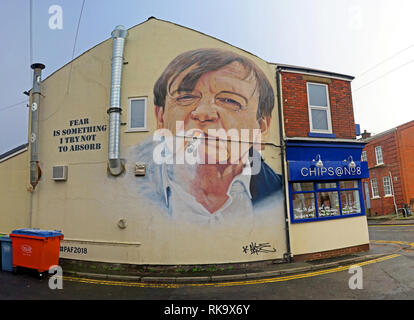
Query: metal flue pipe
x,y
34,124
115,165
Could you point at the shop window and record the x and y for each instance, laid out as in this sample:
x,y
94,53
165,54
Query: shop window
x,y
328,204
137,114
387,186
304,205
348,184
303,186
374,188
312,201
326,185
350,202
319,110
378,155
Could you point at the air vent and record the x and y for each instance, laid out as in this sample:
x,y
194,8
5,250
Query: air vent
x,y
60,173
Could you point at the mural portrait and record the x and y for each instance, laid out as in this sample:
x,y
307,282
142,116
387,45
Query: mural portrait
x,y
213,111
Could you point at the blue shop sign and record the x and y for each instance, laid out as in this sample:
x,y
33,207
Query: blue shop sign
x,y
331,170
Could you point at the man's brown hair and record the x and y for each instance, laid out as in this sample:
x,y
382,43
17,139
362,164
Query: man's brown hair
x,y
207,60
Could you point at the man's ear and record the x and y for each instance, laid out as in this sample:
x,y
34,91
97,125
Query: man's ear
x,y
159,116
264,124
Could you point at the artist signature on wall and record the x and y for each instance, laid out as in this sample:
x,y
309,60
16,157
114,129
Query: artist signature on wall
x,y
255,248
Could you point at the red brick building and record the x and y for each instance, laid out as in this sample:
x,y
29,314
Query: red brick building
x,y
390,157
297,111
323,168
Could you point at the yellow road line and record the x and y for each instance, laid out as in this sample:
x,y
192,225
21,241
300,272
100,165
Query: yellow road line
x,y
411,244
226,284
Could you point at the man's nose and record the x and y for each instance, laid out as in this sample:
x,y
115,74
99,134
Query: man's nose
x,y
205,111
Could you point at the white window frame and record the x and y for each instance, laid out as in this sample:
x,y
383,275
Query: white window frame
x,y
364,156
376,155
387,189
130,129
327,109
374,194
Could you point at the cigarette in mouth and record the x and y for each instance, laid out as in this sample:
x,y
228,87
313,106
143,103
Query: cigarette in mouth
x,y
192,145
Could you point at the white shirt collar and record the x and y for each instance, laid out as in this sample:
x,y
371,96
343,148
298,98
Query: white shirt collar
x,y
244,178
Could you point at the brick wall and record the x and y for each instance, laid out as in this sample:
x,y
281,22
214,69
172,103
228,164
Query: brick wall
x,y
405,135
331,253
295,105
390,153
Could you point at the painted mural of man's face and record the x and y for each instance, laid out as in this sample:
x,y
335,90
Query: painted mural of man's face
x,y
226,99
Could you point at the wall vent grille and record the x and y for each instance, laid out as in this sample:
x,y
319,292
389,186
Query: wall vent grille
x,y
60,173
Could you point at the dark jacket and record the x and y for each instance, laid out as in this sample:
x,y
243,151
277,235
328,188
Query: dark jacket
x,y
264,183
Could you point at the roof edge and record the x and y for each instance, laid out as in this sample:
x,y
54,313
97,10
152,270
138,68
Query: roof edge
x,y
290,68
15,151
138,24
378,135
285,67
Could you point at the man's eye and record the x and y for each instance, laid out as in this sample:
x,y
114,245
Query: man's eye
x,y
186,99
231,103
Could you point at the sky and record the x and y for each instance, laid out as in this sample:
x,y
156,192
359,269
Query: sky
x,y
372,40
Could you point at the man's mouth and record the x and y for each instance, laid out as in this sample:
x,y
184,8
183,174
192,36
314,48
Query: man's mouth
x,y
203,148
213,149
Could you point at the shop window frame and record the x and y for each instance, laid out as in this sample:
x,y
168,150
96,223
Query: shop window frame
x,y
315,192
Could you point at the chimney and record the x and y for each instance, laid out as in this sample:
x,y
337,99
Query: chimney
x,y
365,134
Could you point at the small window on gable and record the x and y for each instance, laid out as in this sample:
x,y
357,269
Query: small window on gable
x,y
137,120
319,110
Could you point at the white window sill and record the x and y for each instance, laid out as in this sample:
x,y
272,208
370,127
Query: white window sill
x,y
136,130
322,132
373,198
388,196
379,164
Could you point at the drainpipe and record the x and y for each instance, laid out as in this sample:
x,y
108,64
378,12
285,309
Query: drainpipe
x,y
115,165
34,124
393,195
288,254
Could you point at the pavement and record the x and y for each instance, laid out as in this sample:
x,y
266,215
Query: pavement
x,y
242,272
388,221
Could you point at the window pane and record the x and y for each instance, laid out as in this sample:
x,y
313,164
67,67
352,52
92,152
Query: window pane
x,y
348,184
387,186
303,205
304,186
328,204
319,119
378,154
317,95
350,202
364,156
138,113
374,187
326,185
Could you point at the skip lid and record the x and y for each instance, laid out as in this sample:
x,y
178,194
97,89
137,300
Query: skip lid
x,y
38,232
